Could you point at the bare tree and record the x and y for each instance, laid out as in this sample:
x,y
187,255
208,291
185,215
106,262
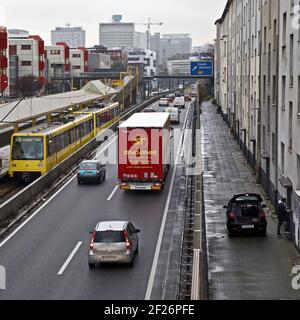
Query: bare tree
x,y
28,85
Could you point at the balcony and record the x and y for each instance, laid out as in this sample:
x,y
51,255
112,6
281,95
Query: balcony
x,y
3,62
3,83
41,81
3,40
41,65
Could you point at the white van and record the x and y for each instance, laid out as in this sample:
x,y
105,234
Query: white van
x,y
174,114
179,102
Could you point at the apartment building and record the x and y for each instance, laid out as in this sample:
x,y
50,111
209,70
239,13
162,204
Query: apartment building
x,y
257,87
4,86
27,57
79,61
58,57
289,111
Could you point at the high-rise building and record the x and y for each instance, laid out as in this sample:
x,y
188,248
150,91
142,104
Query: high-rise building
x,y
74,37
117,34
155,46
174,44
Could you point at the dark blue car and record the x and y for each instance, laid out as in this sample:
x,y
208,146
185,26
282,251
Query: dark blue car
x,y
91,171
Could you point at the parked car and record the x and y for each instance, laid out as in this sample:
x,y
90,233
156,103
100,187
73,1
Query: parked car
x,y
174,114
163,102
114,242
245,212
91,171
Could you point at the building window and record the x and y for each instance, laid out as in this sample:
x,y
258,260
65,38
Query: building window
x,y
26,63
298,172
25,47
283,92
274,147
76,55
284,30
76,67
291,126
291,60
282,157
55,52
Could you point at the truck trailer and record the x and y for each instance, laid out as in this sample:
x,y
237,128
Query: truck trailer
x,y
144,151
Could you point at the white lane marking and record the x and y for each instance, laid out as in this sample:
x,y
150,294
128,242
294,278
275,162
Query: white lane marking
x,y
36,212
46,203
39,209
162,228
71,256
107,144
113,193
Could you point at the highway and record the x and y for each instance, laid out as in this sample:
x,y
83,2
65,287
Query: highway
x,y
46,257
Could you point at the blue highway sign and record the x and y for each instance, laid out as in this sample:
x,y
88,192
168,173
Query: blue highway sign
x,y
203,68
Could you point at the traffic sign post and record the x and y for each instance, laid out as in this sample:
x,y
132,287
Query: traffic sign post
x,y
204,68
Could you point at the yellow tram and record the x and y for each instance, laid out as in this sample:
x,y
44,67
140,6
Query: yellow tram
x,y
35,151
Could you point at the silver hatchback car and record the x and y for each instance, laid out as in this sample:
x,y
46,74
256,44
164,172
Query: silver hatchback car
x,y
114,242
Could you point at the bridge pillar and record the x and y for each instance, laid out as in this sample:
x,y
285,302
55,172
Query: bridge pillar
x,y
16,127
49,117
33,122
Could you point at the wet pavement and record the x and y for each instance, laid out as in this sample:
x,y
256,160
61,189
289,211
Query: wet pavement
x,y
246,267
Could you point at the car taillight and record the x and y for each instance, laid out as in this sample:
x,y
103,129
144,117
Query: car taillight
x,y
92,241
128,243
263,214
232,215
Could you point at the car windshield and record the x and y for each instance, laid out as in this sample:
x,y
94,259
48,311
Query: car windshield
x,y
88,166
28,148
109,237
246,209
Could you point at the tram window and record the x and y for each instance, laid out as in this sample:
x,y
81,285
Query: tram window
x,y
72,137
28,148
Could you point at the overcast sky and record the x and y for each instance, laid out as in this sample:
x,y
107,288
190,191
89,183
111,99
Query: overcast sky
x,y
195,17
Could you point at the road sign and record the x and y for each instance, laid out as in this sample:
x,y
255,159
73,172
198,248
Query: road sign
x,y
117,83
203,68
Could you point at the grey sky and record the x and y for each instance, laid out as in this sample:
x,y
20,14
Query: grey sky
x,y
196,17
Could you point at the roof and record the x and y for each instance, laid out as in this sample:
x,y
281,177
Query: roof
x,y
47,127
219,21
41,106
247,197
146,120
111,225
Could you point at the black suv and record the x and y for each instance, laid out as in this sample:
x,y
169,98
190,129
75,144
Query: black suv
x,y
245,212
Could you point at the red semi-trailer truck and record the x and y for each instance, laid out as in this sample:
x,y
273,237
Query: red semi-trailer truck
x,y
144,151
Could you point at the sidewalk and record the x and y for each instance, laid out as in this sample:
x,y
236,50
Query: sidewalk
x,y
242,267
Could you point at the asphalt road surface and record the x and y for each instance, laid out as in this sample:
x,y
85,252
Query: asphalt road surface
x,y
47,258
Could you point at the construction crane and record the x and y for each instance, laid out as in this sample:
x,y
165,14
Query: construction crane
x,y
149,24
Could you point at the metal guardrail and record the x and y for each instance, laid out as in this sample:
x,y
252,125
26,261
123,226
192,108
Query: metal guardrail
x,y
12,207
199,290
